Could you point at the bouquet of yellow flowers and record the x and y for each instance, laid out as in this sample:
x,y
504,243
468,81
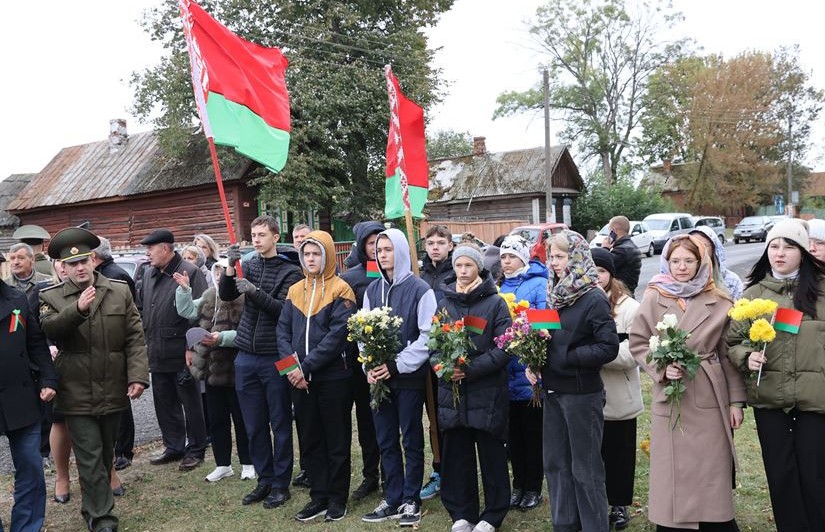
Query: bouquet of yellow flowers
x,y
377,334
670,347
449,345
753,315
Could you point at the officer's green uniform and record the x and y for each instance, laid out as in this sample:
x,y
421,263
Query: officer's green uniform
x,y
102,351
34,235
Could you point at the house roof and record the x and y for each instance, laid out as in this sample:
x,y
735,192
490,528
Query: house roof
x,y
9,189
91,172
498,174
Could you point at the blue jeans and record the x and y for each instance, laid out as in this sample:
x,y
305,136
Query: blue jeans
x,y
29,508
573,425
265,402
401,411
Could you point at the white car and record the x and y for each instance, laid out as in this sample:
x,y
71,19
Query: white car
x,y
639,234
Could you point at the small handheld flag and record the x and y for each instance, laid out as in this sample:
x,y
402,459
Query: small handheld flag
x,y
372,270
475,324
543,319
788,320
287,364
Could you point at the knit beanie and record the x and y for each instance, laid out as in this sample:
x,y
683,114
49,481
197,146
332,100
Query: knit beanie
x,y
516,245
603,259
470,251
789,229
816,229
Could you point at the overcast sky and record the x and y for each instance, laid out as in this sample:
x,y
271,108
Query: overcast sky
x,y
66,66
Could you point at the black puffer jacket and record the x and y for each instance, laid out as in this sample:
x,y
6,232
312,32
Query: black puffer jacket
x,y
587,340
484,403
627,261
438,275
356,275
259,321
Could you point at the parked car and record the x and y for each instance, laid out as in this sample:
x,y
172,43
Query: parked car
x,y
752,228
639,233
666,225
537,235
135,265
714,222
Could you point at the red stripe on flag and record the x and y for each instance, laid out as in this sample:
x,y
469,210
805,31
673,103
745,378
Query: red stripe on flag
x,y
543,315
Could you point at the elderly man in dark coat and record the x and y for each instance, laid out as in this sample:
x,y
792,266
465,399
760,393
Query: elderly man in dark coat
x,y
27,378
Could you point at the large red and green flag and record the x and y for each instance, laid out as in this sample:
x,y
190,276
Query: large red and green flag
x,y
407,171
788,320
544,318
240,89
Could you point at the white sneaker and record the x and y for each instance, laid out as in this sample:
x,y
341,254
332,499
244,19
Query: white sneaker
x,y
219,473
484,526
462,525
248,472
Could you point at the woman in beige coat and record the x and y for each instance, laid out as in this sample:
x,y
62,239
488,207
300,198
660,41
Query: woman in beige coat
x,y
691,465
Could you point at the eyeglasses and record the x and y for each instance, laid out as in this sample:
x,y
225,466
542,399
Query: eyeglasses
x,y
687,262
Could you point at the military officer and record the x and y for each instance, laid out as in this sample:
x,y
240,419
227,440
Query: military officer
x,y
102,364
34,236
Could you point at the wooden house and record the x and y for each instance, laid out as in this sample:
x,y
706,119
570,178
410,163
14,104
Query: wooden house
x,y
9,189
502,186
127,187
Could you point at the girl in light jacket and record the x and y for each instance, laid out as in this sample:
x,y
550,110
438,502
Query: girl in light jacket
x,y
691,465
623,397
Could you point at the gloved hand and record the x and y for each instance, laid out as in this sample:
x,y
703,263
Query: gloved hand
x,y
245,287
234,254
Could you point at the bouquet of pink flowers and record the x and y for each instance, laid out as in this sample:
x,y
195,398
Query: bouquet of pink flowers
x,y
528,344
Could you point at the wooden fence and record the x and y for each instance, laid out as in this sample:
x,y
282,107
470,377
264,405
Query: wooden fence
x,y
487,231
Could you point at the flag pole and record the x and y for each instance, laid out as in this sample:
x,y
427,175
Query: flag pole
x,y
411,237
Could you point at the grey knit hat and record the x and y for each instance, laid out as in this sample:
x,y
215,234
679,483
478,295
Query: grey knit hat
x,y
790,229
469,251
816,229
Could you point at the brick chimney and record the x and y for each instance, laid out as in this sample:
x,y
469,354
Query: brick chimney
x,y
117,134
479,146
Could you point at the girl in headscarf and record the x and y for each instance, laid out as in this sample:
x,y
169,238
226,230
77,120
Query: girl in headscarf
x,y
573,389
722,276
691,466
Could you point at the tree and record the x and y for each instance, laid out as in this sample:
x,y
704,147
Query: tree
x,y
725,120
445,144
600,55
339,107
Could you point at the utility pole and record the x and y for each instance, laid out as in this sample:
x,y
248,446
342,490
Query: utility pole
x,y
790,165
548,165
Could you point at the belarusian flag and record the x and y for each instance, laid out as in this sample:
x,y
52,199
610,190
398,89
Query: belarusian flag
x,y
372,270
287,364
475,324
407,171
788,320
239,88
543,318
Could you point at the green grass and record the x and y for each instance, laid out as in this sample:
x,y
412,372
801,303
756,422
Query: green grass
x,y
163,498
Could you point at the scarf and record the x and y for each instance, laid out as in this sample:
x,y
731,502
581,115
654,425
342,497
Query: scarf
x,y
517,272
466,289
665,284
579,276
793,275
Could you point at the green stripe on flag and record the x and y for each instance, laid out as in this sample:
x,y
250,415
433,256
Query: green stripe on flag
x,y
236,125
787,327
545,325
394,206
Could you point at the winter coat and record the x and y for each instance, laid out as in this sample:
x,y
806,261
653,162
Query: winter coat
x,y
627,261
413,301
23,355
530,286
793,375
586,341
690,465
111,270
313,321
165,330
216,364
437,275
273,276
484,399
623,392
101,352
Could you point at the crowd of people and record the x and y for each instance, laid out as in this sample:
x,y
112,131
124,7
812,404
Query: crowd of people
x,y
253,342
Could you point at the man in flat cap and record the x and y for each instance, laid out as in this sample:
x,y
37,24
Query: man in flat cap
x,y
177,397
102,364
34,236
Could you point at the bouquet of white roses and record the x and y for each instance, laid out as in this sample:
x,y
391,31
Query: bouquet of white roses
x,y
377,334
670,347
